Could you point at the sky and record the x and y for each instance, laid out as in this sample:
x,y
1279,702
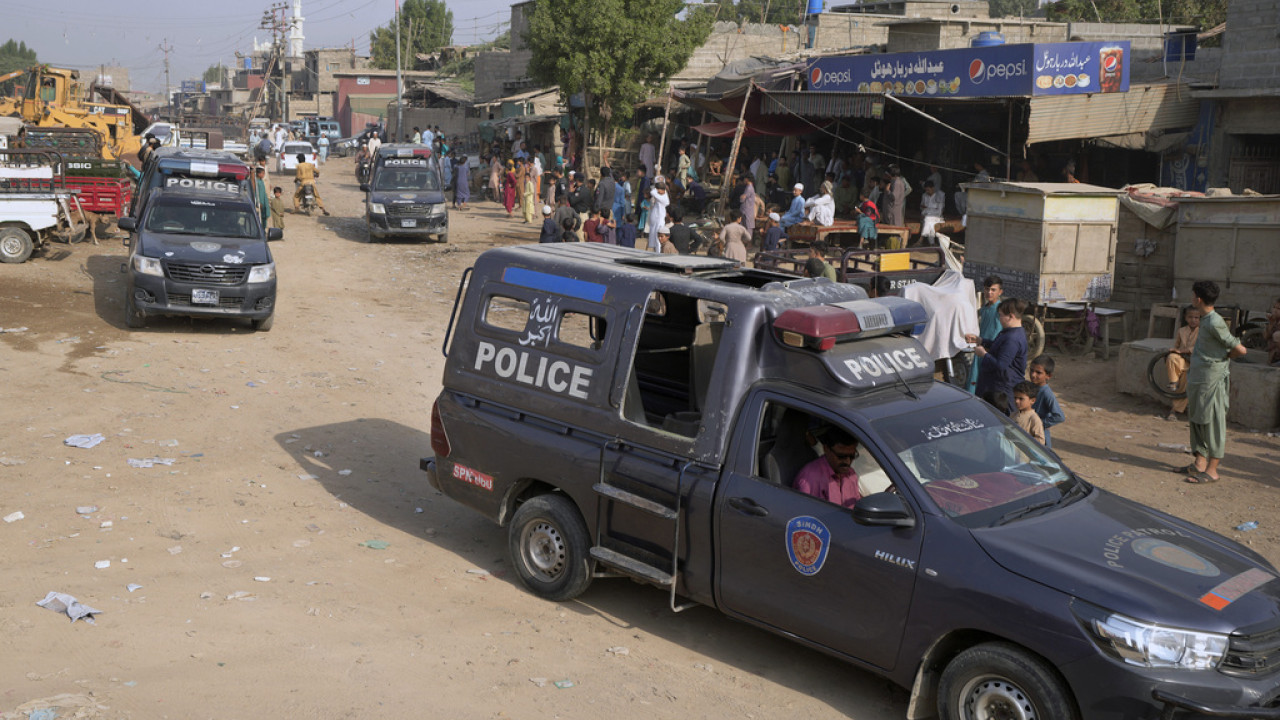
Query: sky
x,y
85,34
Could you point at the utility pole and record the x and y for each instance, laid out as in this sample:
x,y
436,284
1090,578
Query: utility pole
x,y
273,20
166,48
399,81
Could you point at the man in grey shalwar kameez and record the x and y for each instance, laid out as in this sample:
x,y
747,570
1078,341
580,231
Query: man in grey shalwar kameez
x,y
1208,384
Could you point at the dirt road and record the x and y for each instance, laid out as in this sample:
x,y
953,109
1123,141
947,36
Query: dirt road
x,y
264,586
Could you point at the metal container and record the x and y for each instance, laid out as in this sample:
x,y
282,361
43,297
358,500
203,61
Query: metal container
x,y
1233,241
1048,242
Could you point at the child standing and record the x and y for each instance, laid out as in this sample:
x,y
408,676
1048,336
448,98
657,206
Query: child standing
x,y
607,229
1004,360
277,208
988,320
627,231
1045,403
589,227
1024,416
1179,361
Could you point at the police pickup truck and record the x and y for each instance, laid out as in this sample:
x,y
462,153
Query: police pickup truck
x,y
778,448
199,249
405,195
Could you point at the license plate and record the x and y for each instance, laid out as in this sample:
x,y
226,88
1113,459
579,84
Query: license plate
x,y
204,297
408,223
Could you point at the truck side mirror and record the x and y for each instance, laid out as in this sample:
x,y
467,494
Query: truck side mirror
x,y
127,223
274,233
883,508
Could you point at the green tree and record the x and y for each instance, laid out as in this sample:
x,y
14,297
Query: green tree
x,y
1203,13
770,12
14,56
616,52
214,73
1012,8
425,25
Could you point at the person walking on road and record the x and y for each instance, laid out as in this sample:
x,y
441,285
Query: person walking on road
x,y
1208,384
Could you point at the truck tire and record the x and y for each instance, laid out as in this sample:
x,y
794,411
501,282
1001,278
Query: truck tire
x,y
550,548
16,245
1000,680
133,317
263,325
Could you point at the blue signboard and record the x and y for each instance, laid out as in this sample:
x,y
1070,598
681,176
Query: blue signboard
x,y
996,71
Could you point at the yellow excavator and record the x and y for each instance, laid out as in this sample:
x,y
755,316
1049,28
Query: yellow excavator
x,y
55,97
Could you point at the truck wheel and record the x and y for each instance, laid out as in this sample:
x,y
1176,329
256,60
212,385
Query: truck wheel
x,y
133,317
443,237
15,245
264,324
999,680
549,548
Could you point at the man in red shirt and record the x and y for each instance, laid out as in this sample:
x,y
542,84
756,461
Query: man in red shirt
x,y
832,477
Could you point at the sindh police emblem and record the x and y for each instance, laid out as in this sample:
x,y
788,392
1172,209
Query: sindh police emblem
x,y
1167,553
807,543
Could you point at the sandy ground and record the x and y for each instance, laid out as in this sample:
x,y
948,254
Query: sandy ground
x,y
293,448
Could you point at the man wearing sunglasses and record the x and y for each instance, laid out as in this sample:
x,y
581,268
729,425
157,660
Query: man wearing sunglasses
x,y
831,477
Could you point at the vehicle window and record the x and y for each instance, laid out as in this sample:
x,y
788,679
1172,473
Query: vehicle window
x,y
581,330
816,456
506,313
201,218
976,464
406,179
674,361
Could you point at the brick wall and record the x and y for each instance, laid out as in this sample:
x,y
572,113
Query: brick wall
x,y
1251,45
932,35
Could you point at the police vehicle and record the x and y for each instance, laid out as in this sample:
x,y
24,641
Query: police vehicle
x,y
190,168
405,195
201,252
778,448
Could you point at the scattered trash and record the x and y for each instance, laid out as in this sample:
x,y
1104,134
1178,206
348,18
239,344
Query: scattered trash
x,y
168,443
262,578
11,462
318,454
206,595
106,525
74,338
376,544
84,441
102,564
1128,437
86,509
344,473
1180,447
1119,473
478,571
132,587
241,595
232,564
1246,527
307,476
251,384
150,462
13,330
618,650
540,682
14,516
418,510
64,603
702,666
564,684
47,713
175,549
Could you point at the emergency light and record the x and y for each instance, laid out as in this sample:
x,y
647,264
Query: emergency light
x,y
820,327
422,152
206,169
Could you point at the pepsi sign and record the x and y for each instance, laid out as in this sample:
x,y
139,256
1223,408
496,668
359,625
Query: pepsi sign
x,y
998,71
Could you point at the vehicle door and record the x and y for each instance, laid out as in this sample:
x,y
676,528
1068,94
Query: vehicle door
x,y
801,564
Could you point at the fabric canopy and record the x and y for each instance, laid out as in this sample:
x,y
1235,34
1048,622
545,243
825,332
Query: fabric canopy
x,y
777,126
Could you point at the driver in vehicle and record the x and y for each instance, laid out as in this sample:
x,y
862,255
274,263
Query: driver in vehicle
x,y
306,174
831,477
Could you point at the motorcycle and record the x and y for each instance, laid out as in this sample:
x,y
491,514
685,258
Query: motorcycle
x,y
362,171
308,199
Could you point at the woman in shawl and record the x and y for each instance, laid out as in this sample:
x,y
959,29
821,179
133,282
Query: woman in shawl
x,y
747,204
509,187
495,177
462,183
530,193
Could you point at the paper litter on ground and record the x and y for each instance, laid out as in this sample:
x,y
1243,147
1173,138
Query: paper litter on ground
x,y
64,603
84,441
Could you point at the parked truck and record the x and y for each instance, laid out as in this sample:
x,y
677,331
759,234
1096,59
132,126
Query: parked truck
x,y
52,97
36,206
778,448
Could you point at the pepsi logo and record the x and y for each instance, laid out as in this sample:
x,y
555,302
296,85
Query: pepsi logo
x,y
1110,63
977,69
815,77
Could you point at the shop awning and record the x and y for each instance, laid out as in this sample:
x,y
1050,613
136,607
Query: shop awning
x,y
816,104
760,125
1144,109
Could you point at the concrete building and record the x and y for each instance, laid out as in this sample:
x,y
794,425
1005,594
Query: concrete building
x,y
1244,139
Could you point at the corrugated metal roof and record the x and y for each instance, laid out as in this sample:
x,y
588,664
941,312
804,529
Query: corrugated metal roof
x,y
819,104
1160,106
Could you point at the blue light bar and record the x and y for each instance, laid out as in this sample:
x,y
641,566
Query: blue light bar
x,y
886,315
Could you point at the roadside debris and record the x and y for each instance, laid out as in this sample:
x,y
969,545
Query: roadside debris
x,y
150,462
84,441
1246,527
64,603
14,516
376,544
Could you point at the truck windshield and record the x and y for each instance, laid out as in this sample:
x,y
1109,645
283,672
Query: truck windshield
x,y
977,465
417,179
203,218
